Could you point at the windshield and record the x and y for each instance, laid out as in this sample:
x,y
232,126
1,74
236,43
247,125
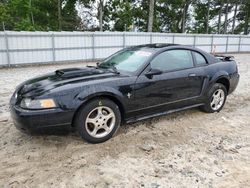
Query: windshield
x,y
126,60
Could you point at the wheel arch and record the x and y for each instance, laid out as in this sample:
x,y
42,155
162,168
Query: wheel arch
x,y
224,81
221,77
105,95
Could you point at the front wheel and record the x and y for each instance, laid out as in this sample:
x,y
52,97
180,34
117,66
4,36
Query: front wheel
x,y
215,99
98,120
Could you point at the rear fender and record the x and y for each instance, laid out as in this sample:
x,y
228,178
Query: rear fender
x,y
217,76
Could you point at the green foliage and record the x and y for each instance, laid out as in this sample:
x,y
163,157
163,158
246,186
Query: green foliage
x,y
121,13
243,18
45,14
31,15
4,16
129,15
200,16
69,16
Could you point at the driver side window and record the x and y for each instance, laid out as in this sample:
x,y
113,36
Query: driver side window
x,y
172,60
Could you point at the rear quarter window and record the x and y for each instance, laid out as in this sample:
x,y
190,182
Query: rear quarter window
x,y
200,59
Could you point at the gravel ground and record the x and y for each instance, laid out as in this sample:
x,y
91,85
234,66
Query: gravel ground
x,y
185,149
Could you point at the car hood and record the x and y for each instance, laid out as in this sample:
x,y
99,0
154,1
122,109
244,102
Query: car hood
x,y
39,85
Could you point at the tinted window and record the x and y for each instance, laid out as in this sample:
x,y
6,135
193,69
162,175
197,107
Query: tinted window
x,y
199,59
173,60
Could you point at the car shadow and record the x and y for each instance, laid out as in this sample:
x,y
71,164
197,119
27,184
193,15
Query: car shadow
x,y
70,135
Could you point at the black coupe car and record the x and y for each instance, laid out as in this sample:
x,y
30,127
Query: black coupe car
x,y
133,84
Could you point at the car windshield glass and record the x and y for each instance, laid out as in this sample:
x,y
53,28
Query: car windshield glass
x,y
128,60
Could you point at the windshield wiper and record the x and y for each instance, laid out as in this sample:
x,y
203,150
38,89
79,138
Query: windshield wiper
x,y
110,67
91,66
114,69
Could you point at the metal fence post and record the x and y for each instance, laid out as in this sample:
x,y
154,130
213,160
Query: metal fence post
x,y
194,41
151,38
212,43
124,39
227,44
239,43
7,48
93,46
53,47
173,38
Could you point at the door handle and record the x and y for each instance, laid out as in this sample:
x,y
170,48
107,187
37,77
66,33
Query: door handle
x,y
192,75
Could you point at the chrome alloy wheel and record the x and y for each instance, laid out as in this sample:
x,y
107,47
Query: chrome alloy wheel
x,y
100,121
217,99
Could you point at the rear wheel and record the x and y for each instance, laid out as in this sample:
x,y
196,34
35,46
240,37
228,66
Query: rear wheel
x,y
98,120
216,98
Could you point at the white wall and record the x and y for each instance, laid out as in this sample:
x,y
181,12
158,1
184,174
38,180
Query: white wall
x,y
45,47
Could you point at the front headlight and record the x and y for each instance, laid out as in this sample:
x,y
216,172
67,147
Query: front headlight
x,y
38,103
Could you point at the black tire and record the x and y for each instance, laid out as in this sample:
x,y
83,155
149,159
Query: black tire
x,y
84,113
207,107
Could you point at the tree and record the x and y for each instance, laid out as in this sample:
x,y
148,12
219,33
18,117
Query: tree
x,y
204,12
4,16
120,15
186,4
177,16
59,10
46,15
169,15
140,15
100,14
243,17
151,15
234,17
226,16
20,11
219,17
246,17
94,9
207,17
70,19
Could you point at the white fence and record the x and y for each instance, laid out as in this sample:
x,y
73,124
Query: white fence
x,y
45,47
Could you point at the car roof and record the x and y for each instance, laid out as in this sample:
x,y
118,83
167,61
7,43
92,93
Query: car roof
x,y
159,47
152,47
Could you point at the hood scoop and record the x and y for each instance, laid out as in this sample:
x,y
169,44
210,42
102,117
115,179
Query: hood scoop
x,y
76,72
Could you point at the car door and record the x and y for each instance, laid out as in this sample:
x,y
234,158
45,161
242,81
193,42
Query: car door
x,y
175,79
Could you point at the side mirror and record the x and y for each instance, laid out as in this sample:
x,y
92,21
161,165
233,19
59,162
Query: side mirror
x,y
153,72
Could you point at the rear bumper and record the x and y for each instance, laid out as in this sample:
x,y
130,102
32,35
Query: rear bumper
x,y
234,80
37,121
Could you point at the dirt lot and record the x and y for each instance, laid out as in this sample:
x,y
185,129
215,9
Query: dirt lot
x,y
185,149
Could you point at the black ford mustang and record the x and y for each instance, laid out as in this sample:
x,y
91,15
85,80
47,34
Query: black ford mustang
x,y
133,84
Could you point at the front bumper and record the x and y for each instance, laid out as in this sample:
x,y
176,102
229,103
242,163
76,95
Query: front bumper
x,y
34,121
